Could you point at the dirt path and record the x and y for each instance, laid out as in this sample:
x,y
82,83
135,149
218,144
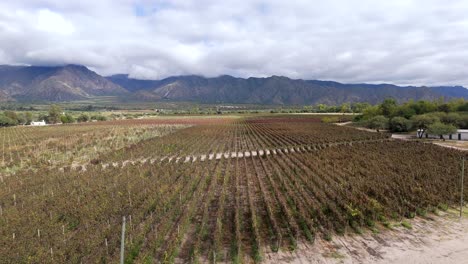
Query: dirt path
x,y
357,127
429,240
458,145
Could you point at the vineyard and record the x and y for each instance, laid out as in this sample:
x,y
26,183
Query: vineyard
x,y
33,147
201,190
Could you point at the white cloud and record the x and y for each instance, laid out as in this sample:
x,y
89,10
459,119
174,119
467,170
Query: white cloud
x,y
401,41
52,22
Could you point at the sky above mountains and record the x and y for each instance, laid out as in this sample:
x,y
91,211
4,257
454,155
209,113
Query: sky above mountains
x,y
400,41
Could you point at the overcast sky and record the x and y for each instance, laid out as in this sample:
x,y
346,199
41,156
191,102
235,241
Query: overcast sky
x,y
396,41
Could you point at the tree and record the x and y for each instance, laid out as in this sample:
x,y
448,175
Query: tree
x,y
444,108
377,123
12,115
6,121
63,119
388,107
462,123
307,109
43,117
370,112
16,118
67,118
359,107
29,118
321,108
21,119
451,119
423,107
441,129
400,124
405,110
455,104
345,108
54,114
422,122
70,118
463,107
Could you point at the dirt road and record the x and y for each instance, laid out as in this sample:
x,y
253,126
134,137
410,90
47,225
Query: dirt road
x,y
428,240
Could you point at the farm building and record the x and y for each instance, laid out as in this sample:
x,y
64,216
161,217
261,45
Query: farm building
x,y
38,123
461,134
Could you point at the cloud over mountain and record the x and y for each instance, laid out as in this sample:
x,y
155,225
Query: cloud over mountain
x,y
403,42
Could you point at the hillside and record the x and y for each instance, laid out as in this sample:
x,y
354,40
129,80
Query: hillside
x,y
75,82
64,83
276,90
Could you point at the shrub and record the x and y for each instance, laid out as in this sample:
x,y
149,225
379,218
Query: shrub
x,y
67,118
54,114
83,118
406,224
98,118
331,119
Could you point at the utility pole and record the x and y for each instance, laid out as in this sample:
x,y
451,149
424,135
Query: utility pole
x,y
461,187
122,242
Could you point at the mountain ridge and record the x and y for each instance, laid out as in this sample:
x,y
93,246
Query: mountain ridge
x,y
54,83
76,82
278,90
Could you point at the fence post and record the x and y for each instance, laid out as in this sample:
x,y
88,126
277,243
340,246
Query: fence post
x,y
461,187
122,242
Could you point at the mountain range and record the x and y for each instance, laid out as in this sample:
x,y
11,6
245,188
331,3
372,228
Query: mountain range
x,y
76,82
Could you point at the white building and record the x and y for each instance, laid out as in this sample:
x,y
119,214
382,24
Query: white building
x,y
461,134
39,123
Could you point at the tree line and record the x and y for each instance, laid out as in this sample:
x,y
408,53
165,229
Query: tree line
x,y
433,117
55,115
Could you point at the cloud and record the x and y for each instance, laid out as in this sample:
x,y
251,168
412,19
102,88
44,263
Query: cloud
x,y
404,42
52,22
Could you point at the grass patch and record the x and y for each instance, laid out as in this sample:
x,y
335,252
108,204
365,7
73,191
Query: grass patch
x,y
370,222
355,226
421,212
375,230
385,222
334,255
406,224
456,211
443,207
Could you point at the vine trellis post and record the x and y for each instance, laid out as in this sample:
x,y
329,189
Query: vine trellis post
x,y
461,185
122,242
